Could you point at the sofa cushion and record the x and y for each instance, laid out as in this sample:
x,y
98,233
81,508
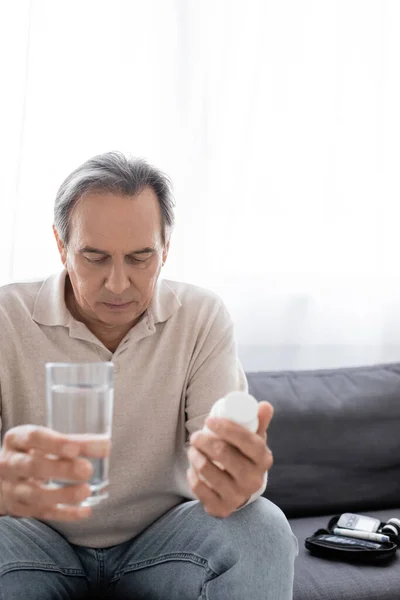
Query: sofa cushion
x,y
322,579
335,437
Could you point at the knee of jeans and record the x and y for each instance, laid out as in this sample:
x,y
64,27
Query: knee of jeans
x,y
270,525
33,584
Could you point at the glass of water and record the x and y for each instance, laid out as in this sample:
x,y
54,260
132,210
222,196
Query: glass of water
x,y
80,404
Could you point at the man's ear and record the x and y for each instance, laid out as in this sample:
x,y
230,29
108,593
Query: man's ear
x,y
165,252
61,247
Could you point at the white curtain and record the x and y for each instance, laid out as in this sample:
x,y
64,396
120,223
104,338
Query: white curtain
x,y
279,124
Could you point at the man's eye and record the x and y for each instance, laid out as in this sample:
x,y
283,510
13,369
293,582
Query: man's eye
x,y
96,260
135,259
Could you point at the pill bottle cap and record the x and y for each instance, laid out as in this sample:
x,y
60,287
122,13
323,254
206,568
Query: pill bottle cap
x,y
239,407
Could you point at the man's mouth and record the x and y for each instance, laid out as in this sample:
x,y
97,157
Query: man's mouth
x,y
117,305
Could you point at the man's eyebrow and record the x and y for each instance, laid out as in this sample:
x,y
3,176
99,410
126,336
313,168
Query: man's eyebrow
x,y
91,250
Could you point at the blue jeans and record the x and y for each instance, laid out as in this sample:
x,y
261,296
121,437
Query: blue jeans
x,y
184,555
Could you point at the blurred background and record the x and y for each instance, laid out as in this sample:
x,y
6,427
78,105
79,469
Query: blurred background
x,y
279,124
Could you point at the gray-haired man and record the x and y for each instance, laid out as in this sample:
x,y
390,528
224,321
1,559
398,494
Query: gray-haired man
x,y
163,532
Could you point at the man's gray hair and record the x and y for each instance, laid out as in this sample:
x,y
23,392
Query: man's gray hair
x,y
117,173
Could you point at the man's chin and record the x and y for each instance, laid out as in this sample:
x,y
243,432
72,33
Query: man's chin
x,y
124,314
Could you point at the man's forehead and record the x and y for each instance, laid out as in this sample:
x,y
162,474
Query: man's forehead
x,y
104,219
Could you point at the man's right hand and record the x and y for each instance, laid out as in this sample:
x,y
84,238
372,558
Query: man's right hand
x,y
31,455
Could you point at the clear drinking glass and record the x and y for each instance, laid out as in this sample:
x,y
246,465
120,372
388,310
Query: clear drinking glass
x,y
80,404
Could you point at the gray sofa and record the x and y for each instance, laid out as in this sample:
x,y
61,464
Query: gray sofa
x,y
335,436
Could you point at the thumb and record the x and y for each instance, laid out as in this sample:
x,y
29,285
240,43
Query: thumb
x,y
265,414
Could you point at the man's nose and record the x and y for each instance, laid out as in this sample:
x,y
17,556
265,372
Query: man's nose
x,y
117,281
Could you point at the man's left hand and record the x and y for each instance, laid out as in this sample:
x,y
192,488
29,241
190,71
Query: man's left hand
x,y
243,455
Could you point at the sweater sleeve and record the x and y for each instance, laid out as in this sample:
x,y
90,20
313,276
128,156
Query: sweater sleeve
x,y
215,371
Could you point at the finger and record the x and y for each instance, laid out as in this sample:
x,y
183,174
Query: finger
x,y
67,513
95,446
219,480
26,437
245,474
42,467
42,496
265,414
250,444
221,452
210,500
37,454
57,513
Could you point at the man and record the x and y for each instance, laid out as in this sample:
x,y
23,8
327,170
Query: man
x,y
175,525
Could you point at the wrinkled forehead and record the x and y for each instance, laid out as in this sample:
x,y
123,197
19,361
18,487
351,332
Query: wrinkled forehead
x,y
112,221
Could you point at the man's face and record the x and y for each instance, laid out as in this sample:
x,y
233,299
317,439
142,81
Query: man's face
x,y
114,255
